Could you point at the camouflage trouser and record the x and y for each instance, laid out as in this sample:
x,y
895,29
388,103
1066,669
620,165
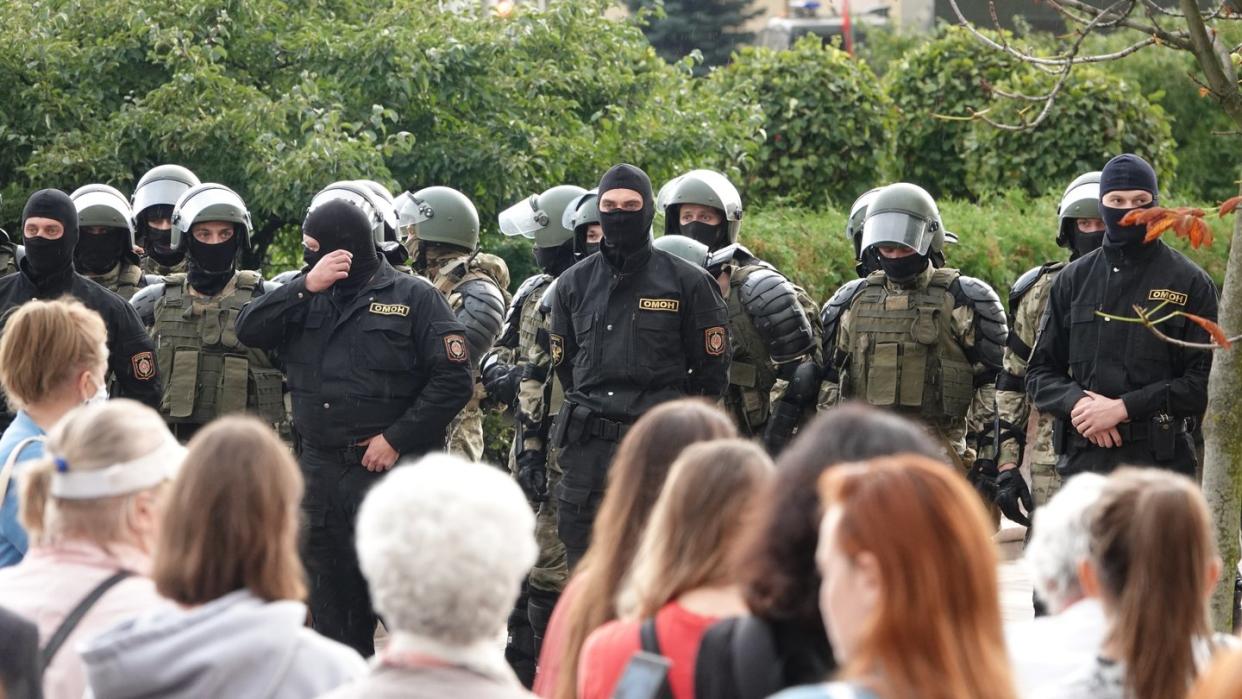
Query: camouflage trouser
x,y
466,433
550,571
1045,482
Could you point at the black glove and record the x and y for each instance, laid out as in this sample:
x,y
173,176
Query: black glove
x,y
982,476
1010,491
532,475
500,380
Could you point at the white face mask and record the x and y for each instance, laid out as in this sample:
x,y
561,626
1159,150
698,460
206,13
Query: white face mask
x,y
100,396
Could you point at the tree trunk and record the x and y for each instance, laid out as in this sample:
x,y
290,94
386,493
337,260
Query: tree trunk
x,y
1222,467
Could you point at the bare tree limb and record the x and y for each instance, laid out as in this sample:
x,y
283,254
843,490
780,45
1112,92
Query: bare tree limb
x,y
1220,79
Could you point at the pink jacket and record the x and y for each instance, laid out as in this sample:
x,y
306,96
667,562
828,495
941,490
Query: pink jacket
x,y
51,580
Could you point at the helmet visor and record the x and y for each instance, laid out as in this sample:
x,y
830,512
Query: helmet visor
x,y
897,228
523,219
159,192
103,209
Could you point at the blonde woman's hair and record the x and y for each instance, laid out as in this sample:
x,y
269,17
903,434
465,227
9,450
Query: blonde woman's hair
x,y
89,438
232,518
46,343
691,541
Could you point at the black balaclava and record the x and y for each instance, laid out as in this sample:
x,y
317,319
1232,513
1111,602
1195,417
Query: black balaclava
x,y
156,241
99,254
626,232
339,225
903,270
1126,171
209,267
557,259
583,249
45,257
714,237
1082,243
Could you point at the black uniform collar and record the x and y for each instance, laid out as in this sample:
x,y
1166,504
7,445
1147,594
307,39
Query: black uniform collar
x,y
1124,254
49,285
632,262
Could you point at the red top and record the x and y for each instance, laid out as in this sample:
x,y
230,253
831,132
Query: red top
x,y
608,650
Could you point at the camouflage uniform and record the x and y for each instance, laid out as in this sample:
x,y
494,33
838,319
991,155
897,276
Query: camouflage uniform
x,y
124,280
929,350
150,266
755,383
8,255
488,279
1013,406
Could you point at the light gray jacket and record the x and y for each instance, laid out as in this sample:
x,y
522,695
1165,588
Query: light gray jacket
x,y
235,646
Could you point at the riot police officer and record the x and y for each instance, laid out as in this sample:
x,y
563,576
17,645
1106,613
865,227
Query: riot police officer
x,y
377,366
854,231
8,254
922,340
1120,394
583,217
517,373
442,237
775,344
1081,230
207,370
50,232
105,252
631,327
154,198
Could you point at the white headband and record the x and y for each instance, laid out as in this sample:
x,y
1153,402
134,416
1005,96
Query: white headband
x,y
119,479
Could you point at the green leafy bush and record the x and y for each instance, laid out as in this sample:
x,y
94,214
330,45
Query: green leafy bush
x,y
827,123
947,76
278,99
1093,118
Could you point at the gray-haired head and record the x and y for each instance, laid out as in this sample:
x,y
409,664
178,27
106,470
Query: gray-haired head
x,y
1061,541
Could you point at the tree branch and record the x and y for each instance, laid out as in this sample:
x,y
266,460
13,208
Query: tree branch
x,y
1219,78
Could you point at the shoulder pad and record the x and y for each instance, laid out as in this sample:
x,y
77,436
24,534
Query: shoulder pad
x,y
970,291
830,314
772,303
513,318
482,311
1027,280
266,286
990,322
545,302
144,301
152,279
286,277
493,266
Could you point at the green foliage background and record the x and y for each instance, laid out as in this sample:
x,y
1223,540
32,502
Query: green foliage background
x,y
277,99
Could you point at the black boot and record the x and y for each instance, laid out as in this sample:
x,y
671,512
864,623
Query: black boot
x,y
520,650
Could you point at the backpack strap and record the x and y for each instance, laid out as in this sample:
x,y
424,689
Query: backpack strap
x,y
6,472
75,617
648,637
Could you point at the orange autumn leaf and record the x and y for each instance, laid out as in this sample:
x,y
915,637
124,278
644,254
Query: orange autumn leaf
x,y
1186,222
1230,205
1156,228
1217,332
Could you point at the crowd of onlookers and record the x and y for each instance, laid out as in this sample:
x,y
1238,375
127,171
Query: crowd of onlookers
x,y
859,565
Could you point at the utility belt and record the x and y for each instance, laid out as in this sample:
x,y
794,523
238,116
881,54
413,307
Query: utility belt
x,y
1160,433
575,423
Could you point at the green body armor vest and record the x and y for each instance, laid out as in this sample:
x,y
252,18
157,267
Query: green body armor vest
x,y
123,280
751,375
904,355
207,371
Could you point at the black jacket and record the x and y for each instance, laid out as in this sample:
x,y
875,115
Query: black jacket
x,y
624,340
1079,350
131,353
752,658
390,359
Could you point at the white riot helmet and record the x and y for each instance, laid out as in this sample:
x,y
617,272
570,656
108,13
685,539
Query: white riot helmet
x,y
210,202
705,188
102,205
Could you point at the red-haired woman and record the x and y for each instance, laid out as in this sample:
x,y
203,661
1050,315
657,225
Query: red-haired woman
x,y
910,596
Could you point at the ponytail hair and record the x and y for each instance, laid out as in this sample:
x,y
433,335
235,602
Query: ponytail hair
x,y
1147,523
89,438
